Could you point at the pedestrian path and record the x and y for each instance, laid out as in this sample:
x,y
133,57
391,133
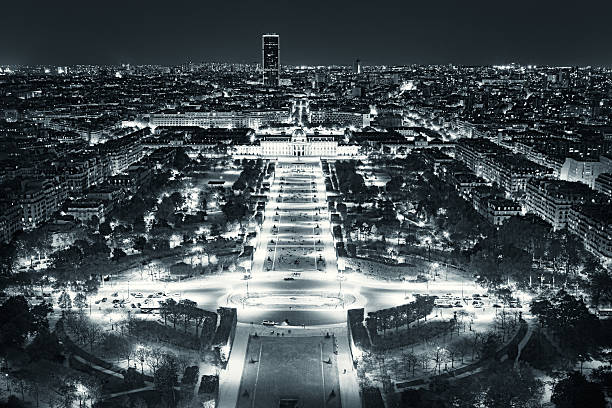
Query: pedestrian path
x,y
229,379
295,237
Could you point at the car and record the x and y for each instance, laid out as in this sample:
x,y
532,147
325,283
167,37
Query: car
x,y
458,304
104,299
150,296
116,306
496,305
478,305
133,306
122,305
115,294
97,302
138,304
268,323
115,301
442,303
138,295
289,278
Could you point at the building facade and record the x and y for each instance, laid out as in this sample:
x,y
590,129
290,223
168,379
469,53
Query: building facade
x,y
270,59
298,144
230,119
603,183
593,224
551,200
10,219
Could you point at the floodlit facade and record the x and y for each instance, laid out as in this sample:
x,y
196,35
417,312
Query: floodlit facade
x,y
298,144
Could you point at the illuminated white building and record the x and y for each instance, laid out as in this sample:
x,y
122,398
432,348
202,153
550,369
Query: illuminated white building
x,y
298,144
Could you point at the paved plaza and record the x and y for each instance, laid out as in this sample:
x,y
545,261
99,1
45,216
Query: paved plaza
x,y
290,372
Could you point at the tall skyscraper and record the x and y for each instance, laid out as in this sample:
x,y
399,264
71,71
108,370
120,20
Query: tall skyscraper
x,y
270,53
357,67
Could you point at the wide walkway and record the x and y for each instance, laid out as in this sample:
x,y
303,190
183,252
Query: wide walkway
x,y
296,235
295,242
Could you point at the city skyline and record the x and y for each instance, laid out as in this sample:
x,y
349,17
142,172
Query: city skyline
x,y
356,223
547,33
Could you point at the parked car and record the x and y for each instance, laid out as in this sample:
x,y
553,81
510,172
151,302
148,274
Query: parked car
x,y
138,295
104,299
268,323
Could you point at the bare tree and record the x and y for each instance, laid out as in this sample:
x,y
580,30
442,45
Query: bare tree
x,y
141,354
155,358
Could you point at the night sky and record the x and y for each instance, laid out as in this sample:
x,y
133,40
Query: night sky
x,y
312,32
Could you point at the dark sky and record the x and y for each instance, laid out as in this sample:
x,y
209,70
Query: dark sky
x,y
312,32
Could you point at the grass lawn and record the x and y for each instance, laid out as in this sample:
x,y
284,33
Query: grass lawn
x,y
290,372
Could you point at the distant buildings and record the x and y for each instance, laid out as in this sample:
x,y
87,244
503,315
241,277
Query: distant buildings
x,y
84,171
229,119
39,200
496,210
592,223
585,170
603,183
270,59
85,210
552,200
125,151
509,171
10,219
340,118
